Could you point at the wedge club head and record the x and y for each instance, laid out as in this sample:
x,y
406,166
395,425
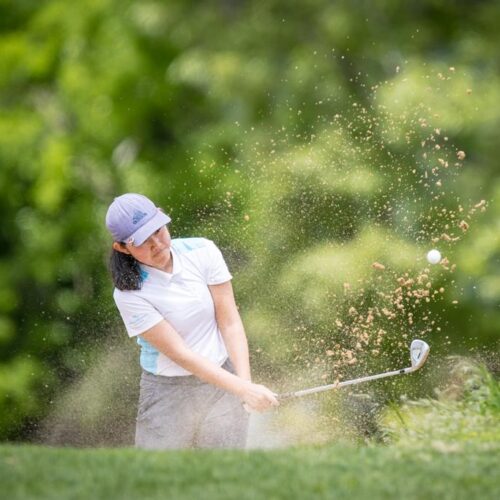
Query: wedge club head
x,y
419,350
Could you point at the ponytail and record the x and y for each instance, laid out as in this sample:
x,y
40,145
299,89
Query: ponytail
x,y
125,271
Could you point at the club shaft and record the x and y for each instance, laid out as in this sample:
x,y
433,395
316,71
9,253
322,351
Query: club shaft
x,y
338,385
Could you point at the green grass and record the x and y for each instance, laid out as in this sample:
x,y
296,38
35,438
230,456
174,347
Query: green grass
x,y
338,471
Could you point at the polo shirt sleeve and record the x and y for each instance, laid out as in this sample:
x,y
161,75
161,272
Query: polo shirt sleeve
x,y
137,313
216,267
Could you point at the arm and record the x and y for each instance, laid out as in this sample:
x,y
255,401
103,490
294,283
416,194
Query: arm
x,y
165,339
231,327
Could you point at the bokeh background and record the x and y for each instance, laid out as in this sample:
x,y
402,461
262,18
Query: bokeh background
x,y
325,146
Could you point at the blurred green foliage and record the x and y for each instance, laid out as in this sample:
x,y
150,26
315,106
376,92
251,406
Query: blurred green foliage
x,y
300,136
466,411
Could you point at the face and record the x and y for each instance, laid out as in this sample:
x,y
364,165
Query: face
x,y
154,252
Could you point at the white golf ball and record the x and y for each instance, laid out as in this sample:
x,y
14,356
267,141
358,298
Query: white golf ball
x,y
434,256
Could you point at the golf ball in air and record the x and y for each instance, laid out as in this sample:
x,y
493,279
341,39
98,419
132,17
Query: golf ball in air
x,y
434,256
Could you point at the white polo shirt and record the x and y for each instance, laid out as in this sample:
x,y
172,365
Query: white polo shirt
x,y
183,299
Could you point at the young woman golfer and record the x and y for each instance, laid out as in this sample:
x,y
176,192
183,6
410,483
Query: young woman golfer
x,y
175,297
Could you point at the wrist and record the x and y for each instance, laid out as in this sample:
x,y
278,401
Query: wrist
x,y
243,387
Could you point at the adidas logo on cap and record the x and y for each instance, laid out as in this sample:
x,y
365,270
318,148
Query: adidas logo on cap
x,y
138,216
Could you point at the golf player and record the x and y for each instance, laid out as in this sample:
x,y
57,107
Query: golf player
x,y
175,297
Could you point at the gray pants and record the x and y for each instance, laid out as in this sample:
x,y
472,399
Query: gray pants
x,y
185,412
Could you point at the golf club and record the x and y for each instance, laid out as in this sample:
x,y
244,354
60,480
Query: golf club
x,y
419,350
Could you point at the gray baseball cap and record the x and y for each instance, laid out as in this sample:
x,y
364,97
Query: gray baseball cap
x,y
133,218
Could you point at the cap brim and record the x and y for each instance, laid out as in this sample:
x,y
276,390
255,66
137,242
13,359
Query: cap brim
x,y
142,234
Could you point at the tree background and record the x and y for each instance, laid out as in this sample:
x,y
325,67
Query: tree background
x,y
308,139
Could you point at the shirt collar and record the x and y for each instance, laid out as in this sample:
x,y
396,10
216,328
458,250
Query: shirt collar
x,y
177,266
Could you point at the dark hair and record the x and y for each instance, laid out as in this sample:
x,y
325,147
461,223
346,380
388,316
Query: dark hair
x,y
125,271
